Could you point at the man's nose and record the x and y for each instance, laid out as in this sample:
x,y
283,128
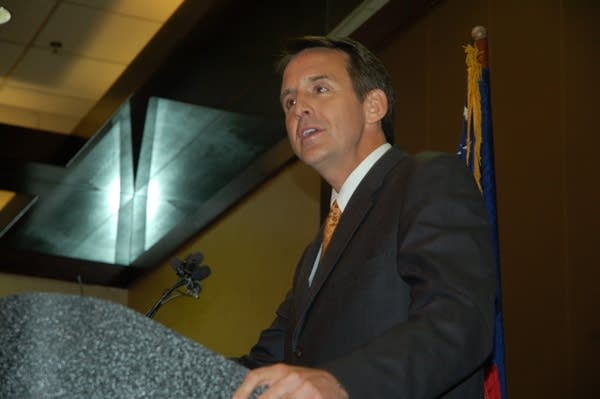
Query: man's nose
x,y
303,106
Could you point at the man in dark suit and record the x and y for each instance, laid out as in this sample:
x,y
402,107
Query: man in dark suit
x,y
400,302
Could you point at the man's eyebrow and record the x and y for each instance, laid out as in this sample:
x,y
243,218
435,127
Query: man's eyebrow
x,y
285,93
311,79
317,77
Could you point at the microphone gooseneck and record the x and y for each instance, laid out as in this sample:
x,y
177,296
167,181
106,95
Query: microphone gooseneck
x,y
190,273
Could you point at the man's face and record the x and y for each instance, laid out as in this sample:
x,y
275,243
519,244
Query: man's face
x,y
323,116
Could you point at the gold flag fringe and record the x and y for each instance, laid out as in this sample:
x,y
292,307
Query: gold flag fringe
x,y
473,111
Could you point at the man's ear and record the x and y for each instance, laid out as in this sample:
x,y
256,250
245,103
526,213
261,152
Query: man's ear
x,y
375,106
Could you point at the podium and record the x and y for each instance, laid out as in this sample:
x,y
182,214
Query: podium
x,y
66,346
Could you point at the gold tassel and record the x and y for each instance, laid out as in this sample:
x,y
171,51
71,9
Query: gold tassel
x,y
473,111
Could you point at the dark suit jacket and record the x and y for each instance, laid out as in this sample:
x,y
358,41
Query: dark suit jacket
x,y
402,304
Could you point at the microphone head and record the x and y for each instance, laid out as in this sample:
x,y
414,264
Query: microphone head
x,y
179,267
200,273
187,267
194,259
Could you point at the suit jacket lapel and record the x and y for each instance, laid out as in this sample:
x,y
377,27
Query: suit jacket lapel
x,y
305,269
356,210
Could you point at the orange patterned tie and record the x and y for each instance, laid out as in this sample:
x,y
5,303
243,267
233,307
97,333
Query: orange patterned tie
x,y
330,223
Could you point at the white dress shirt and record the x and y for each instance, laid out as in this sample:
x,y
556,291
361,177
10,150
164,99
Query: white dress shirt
x,y
348,189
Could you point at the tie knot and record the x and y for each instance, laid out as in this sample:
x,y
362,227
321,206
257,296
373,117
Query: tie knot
x,y
330,224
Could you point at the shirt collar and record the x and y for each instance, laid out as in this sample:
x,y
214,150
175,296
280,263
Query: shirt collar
x,y
356,176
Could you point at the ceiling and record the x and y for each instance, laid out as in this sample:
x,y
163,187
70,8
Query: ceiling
x,y
128,126
60,56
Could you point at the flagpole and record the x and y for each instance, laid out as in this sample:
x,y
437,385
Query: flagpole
x,y
495,384
479,35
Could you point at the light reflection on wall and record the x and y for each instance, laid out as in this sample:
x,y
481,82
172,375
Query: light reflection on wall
x,y
114,195
152,200
189,153
100,211
84,213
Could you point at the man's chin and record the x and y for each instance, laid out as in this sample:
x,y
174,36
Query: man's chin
x,y
312,157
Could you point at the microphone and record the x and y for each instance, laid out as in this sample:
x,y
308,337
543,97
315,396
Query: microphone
x,y
190,273
201,273
192,283
185,268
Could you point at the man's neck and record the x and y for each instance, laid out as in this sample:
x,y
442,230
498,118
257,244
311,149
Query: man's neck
x,y
342,196
339,174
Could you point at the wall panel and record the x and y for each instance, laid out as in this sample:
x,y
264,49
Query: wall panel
x,y
581,60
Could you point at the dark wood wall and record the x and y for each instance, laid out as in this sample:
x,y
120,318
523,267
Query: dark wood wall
x,y
545,58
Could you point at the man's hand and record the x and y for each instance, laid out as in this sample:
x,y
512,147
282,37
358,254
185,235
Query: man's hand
x,y
291,382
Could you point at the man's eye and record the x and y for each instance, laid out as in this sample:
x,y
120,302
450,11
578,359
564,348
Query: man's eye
x,y
321,89
289,103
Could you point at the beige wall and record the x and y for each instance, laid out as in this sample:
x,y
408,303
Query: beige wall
x,y
545,62
252,251
11,284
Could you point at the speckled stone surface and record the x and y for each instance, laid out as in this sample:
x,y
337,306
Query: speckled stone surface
x,y
65,346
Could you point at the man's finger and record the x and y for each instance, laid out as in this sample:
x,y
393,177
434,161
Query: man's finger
x,y
253,380
283,383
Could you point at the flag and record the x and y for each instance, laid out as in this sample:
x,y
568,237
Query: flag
x,y
476,148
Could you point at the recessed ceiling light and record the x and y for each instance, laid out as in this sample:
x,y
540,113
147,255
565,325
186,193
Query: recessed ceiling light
x,y
4,15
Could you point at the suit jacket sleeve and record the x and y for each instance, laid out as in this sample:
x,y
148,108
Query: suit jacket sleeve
x,y
444,255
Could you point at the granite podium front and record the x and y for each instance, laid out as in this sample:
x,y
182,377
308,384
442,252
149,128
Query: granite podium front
x,y
67,346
